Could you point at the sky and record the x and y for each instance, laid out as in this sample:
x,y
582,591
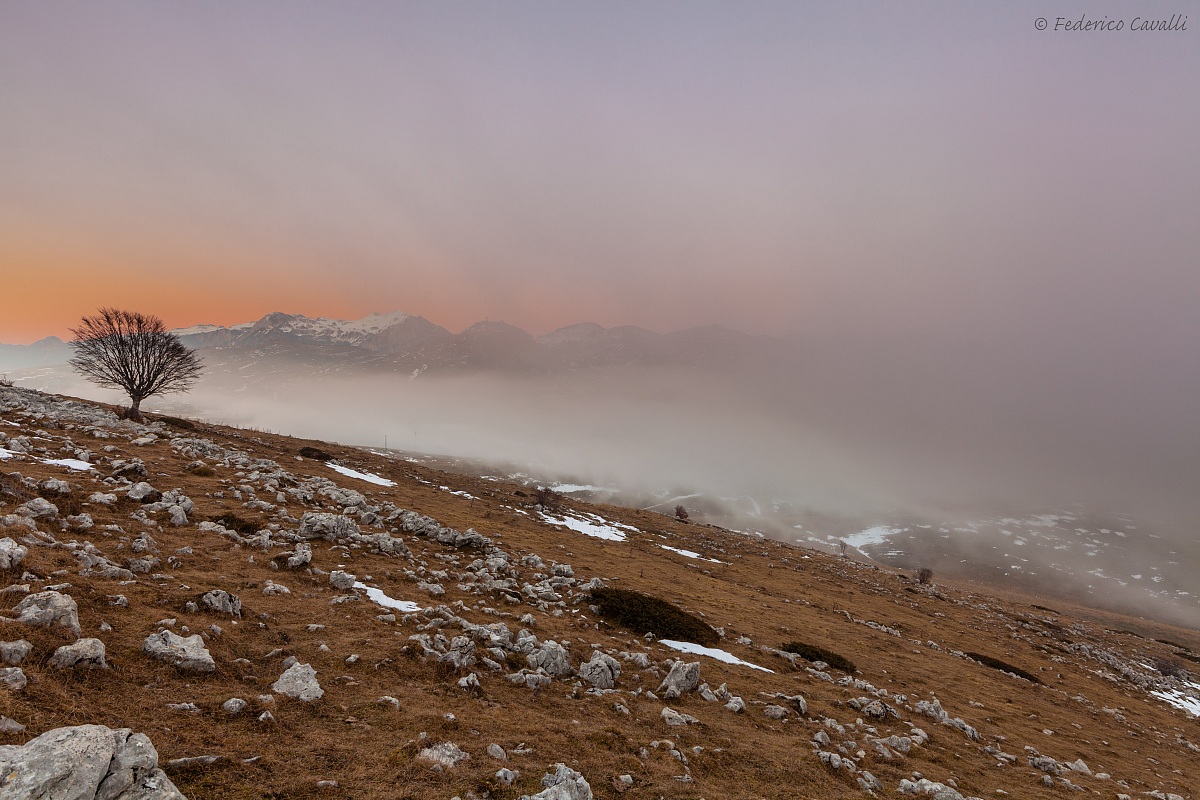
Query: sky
x,y
942,171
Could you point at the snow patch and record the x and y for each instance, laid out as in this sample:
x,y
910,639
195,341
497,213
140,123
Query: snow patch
x,y
369,477
690,554
1180,700
69,463
590,525
711,652
876,535
379,598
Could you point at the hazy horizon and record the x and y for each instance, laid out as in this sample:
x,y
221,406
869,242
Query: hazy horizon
x,y
976,236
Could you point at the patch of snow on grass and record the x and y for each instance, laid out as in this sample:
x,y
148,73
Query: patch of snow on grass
x,y
69,463
711,652
594,526
362,476
690,554
876,535
379,598
570,488
1180,700
460,494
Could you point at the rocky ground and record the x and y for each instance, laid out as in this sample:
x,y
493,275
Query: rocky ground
x,y
232,614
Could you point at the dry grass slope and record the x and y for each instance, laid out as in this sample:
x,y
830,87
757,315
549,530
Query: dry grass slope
x,y
908,642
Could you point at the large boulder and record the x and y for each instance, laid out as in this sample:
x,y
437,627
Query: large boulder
x,y
84,653
11,553
682,678
143,492
222,602
300,682
37,508
186,653
45,609
552,658
85,762
318,525
562,784
602,671
14,653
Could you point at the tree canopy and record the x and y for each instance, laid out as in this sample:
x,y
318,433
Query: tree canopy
x,y
135,353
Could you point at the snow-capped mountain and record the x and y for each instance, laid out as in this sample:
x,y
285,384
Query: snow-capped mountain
x,y
412,342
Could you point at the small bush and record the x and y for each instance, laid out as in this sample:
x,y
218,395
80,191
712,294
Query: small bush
x,y
643,614
681,513
176,422
1171,668
810,652
202,471
235,523
315,454
924,576
996,663
548,499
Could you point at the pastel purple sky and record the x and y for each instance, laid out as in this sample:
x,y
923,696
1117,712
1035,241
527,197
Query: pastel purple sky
x,y
940,170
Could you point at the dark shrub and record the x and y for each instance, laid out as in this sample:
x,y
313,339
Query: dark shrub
x,y
235,523
176,422
642,613
1171,668
548,499
681,513
996,663
810,652
924,575
315,454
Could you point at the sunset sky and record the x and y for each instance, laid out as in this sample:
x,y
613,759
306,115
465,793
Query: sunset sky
x,y
940,170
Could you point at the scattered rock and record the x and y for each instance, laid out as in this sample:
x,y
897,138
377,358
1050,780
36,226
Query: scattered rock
x,y
445,755
222,602
342,581
683,678
186,653
11,553
84,653
602,671
300,682
13,678
673,717
45,609
563,784
14,653
86,762
234,705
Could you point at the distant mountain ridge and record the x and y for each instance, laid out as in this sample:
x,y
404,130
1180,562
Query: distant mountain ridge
x,y
412,341
408,342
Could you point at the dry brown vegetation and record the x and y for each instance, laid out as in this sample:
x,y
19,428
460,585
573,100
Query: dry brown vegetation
x,y
770,592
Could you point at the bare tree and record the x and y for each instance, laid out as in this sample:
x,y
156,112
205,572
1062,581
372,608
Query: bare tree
x,y
135,353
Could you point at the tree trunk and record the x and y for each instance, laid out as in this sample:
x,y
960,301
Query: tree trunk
x,y
134,412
